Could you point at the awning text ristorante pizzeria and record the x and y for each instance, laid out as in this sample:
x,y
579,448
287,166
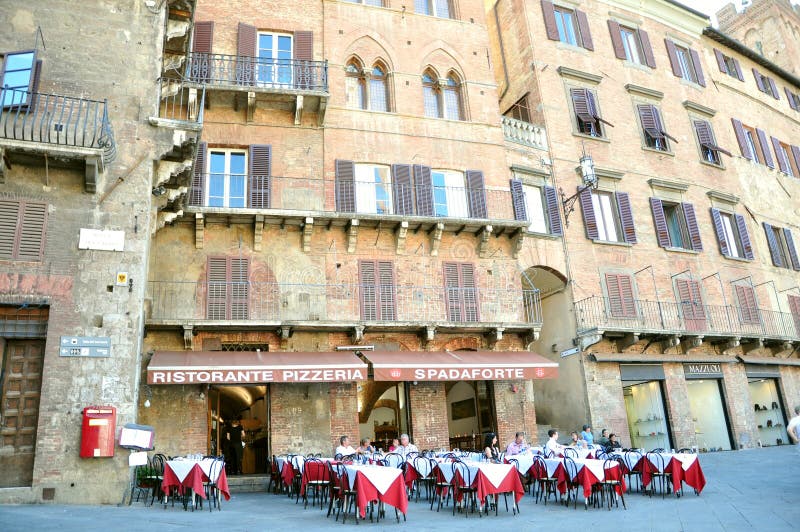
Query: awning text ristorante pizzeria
x,y
193,376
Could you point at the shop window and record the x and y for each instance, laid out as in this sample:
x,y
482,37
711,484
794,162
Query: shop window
x,y
655,135
228,288
781,247
461,292
377,289
765,84
23,226
621,302
685,62
676,225
631,44
748,306
709,415
709,150
373,189
768,407
728,65
732,234
644,406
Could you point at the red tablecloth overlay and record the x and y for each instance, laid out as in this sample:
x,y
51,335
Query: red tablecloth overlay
x,y
313,471
585,477
510,484
367,492
693,476
194,480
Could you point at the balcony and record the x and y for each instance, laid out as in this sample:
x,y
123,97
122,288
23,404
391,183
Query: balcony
x,y
342,307
597,315
525,133
304,83
307,203
37,128
180,107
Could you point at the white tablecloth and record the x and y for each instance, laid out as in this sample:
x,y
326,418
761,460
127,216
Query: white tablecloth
x,y
381,477
182,467
421,465
552,464
524,461
495,473
595,466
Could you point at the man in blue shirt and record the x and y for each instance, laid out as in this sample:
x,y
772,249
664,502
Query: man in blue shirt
x,y
587,436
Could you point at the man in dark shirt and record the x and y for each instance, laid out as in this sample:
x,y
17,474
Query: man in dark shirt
x,y
235,441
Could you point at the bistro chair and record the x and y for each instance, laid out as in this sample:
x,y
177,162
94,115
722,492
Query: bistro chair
x,y
572,482
462,488
142,483
633,458
338,456
318,485
350,496
686,450
609,486
349,459
570,452
274,475
157,475
336,495
441,487
394,460
420,463
547,484
524,477
659,475
297,462
213,495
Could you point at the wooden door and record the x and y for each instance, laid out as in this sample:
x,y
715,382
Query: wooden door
x,y
21,388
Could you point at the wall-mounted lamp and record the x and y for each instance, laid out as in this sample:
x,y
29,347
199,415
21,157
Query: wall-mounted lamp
x,y
589,178
148,394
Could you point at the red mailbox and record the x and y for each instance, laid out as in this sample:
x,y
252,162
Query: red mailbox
x,y
98,431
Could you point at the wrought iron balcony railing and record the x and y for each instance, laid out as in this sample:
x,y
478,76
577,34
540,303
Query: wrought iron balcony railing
x,y
56,120
345,303
179,103
524,133
229,191
687,318
257,72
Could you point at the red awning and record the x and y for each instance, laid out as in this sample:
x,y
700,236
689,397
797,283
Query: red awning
x,y
460,365
246,367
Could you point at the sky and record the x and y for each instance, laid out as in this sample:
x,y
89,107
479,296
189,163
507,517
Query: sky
x,y
712,6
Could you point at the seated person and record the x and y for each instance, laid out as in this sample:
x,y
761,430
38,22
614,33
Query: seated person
x,y
575,441
345,449
405,446
490,448
366,447
552,447
587,436
602,441
395,444
613,443
518,446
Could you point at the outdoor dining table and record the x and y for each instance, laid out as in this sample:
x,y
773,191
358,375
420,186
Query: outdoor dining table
x,y
588,472
684,467
185,473
488,478
377,483
314,470
417,469
286,469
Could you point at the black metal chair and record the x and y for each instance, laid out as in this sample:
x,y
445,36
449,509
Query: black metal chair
x,y
441,487
319,486
570,452
659,476
157,476
546,482
462,488
297,462
420,463
609,486
633,459
213,494
572,482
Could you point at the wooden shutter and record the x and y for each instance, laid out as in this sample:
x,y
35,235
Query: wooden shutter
x,y
720,61
345,186
738,69
403,189
748,309
691,226
423,188
773,89
744,236
783,164
698,67
9,222
587,208
452,286
368,284
796,154
197,194
33,222
790,97
719,228
553,213
620,295
774,246
616,39
705,137
470,292
787,235
626,217
672,52
580,102
647,48
741,139
583,28
662,234
260,166
794,308
549,20
304,45
203,37
239,289
476,194
246,62
762,140
217,296
651,122
386,291
691,301
759,80
518,200
461,292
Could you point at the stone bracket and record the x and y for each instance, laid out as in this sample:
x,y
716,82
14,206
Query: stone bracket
x,y
495,335
323,105
784,350
352,235
483,245
671,343
429,334
92,174
755,345
436,238
298,110
285,331
401,232
358,334
731,343
516,243
199,230
251,105
627,341
585,342
188,337
4,165
308,231
258,232
690,342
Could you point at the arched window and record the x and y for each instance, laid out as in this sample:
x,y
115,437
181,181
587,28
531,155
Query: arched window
x,y
355,86
378,95
452,98
430,92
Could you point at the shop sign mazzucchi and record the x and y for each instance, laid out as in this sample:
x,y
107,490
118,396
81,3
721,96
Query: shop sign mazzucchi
x,y
702,368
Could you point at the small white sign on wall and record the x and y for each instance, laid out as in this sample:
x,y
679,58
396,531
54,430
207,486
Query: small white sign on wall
x,y
102,240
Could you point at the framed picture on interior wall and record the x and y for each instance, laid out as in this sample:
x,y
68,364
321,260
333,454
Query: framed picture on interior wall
x,y
463,409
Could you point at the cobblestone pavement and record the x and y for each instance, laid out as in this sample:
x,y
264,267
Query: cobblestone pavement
x,y
747,490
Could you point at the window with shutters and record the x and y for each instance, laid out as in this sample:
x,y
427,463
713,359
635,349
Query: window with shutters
x,y
228,295
631,43
781,247
435,8
355,85
606,217
520,110
676,226
687,66
748,306
587,112
22,230
620,290
793,98
430,93
378,89
17,77
449,194
753,144
785,157
728,65
226,184
765,84
461,292
566,25
655,134
377,287
690,301
274,51
709,150
734,241
535,209
373,189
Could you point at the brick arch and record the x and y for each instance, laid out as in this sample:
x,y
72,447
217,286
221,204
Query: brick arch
x,y
443,56
471,343
373,43
371,390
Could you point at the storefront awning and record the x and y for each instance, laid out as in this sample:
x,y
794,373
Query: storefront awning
x,y
655,358
248,367
770,361
460,365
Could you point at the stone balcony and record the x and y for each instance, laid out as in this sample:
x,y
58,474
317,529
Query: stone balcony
x,y
524,133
